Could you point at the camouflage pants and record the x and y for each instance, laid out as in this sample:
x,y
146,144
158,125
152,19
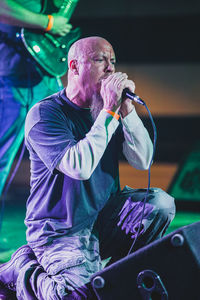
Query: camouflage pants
x,y
64,266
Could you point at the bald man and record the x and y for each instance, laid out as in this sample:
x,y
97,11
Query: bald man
x,y
76,212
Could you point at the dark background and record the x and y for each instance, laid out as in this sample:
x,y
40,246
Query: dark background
x,y
144,31
155,34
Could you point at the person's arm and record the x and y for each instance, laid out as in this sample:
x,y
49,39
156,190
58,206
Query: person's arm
x,y
81,159
137,146
15,14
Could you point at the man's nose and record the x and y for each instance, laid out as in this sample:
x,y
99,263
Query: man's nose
x,y
110,67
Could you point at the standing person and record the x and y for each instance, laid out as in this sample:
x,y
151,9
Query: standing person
x,y
76,214
22,81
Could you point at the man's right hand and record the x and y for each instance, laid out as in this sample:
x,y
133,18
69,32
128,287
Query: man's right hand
x,y
15,14
60,25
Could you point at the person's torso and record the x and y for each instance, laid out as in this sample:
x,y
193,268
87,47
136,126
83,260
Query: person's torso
x,y
15,62
63,201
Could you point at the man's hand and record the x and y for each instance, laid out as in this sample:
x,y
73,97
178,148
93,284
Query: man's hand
x,y
111,90
14,13
127,104
60,25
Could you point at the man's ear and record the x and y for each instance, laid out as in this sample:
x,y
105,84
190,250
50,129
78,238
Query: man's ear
x,y
73,65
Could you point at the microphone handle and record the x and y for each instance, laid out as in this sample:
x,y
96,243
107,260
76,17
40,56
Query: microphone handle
x,y
128,94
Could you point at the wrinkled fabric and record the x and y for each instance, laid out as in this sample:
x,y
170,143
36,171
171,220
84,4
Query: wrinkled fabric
x,y
22,84
58,130
14,105
61,268
14,59
64,266
125,220
68,204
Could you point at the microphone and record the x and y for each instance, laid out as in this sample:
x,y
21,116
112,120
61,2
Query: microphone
x,y
128,94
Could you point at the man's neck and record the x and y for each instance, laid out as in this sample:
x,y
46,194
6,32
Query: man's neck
x,y
77,98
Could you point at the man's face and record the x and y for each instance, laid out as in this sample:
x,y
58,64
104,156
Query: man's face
x,y
97,63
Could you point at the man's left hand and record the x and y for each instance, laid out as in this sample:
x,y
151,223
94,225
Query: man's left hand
x,y
127,104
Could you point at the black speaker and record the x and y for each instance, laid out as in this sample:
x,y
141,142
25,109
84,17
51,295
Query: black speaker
x,y
168,268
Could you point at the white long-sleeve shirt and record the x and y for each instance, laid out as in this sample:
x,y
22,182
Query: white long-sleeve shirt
x,y
80,160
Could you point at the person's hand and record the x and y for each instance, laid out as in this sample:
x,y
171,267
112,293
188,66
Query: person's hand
x,y
111,90
127,104
60,25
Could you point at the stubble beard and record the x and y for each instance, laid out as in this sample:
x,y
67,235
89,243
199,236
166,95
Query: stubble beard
x,y
96,105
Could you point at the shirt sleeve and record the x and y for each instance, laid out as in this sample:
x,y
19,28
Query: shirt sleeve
x,y
47,135
81,159
137,145
49,138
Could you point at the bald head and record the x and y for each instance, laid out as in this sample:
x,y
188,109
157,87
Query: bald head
x,y
84,46
90,60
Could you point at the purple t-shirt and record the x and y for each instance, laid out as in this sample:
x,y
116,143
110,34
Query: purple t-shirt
x,y
59,204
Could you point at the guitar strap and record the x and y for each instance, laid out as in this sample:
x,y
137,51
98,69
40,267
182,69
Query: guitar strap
x,y
44,5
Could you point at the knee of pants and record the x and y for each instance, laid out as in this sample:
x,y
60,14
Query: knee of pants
x,y
163,202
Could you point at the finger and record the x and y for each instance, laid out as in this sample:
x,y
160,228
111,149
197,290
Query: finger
x,y
131,85
109,78
120,84
66,31
68,27
118,80
120,77
62,33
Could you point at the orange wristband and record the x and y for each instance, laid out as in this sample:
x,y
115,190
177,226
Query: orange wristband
x,y
112,113
50,23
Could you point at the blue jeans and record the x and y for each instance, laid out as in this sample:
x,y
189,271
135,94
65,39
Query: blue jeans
x,y
63,267
15,101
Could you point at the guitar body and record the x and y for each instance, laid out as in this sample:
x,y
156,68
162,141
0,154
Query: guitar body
x,y
48,50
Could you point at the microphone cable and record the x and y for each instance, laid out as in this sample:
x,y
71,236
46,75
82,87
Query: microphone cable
x,y
149,176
